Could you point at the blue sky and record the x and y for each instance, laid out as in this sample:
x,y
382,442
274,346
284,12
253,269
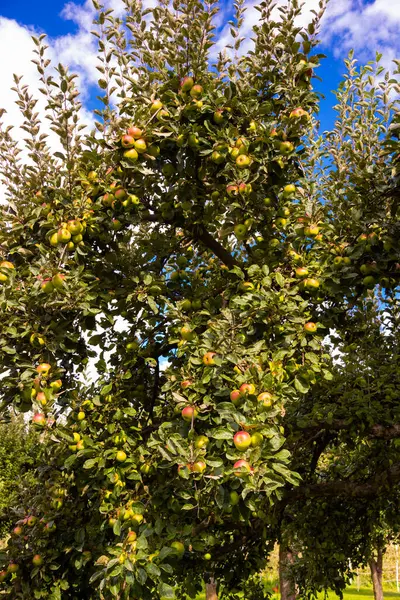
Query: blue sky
x,y
365,25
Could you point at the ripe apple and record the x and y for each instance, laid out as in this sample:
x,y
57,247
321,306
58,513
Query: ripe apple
x,y
285,147
196,91
311,284
208,359
247,389
188,413
301,272
137,518
41,398
140,146
179,548
47,286
156,106
80,416
310,327
131,155
56,385
39,420
217,157
243,161
49,527
131,537
80,445
13,567
6,264
236,397
266,398
241,466
257,439
311,230
37,560
74,227
17,530
199,466
135,132
218,117
127,141
63,235
187,333
298,113
121,456
187,83
31,521
242,440
289,189
201,441
76,436
43,368
284,212
58,281
3,576
186,383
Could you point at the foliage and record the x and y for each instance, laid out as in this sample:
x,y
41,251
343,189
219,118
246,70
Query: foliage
x,y
202,239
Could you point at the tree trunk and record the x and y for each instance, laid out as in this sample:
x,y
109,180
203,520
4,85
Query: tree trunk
x,y
211,589
286,584
376,567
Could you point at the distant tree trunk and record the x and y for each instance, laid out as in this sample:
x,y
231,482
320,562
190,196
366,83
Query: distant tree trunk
x,y
211,589
376,566
286,584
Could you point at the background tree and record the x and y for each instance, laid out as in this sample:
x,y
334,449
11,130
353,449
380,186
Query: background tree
x,y
198,248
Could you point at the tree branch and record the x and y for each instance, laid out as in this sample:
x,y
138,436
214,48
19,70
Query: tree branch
x,y
202,235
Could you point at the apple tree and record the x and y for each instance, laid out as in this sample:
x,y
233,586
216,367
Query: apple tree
x,y
168,281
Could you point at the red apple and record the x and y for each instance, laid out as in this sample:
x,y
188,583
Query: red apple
x,y
266,398
39,420
235,397
37,560
188,413
242,440
186,383
43,368
135,132
127,141
247,389
240,466
199,466
310,327
208,359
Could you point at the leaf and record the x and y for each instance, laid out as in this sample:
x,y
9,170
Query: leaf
x,y
221,434
152,570
301,386
141,576
165,591
89,464
279,279
117,528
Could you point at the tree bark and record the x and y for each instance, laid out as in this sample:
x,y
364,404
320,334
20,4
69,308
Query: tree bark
x,y
376,566
286,584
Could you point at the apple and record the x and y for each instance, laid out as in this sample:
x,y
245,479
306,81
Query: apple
x,y
196,91
187,83
207,556
120,194
234,498
280,222
243,161
188,413
208,359
80,416
58,281
56,385
284,212
186,383
247,389
47,286
298,113
121,456
137,518
246,286
51,526
285,147
217,157
31,521
252,128
80,445
127,141
199,466
179,548
3,576
310,327
13,567
240,466
39,420
131,537
132,346
266,398
5,264
43,368
63,235
41,398
193,140
37,560
76,436
242,440
57,503
74,227
201,441
187,333
311,230
218,117
301,272
140,146
369,282
240,231
289,189
236,397
156,106
17,530
257,439
311,284
131,155
135,132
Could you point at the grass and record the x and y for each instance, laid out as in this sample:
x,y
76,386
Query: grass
x,y
363,593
